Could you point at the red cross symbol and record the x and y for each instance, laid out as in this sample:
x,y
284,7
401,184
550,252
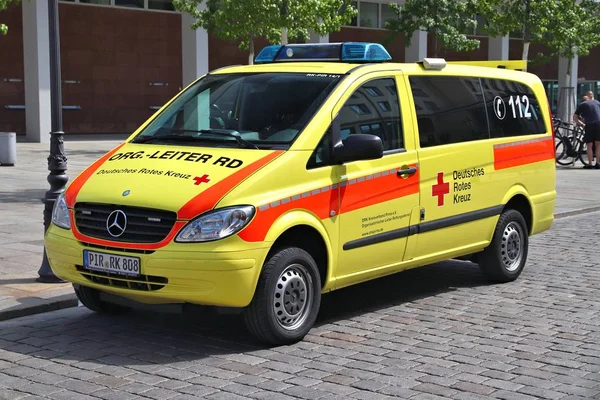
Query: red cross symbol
x,y
201,179
440,189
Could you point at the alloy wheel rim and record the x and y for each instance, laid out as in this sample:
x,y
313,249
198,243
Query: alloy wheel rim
x,y
511,250
292,299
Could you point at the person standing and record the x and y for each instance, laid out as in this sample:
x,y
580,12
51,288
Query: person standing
x,y
589,111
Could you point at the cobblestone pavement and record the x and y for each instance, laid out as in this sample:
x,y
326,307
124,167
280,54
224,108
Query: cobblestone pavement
x,y
430,333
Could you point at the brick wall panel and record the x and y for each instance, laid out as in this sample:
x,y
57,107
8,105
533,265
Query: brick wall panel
x,y
11,66
116,53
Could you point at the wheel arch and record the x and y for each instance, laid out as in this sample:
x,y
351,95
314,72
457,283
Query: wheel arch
x,y
303,230
518,199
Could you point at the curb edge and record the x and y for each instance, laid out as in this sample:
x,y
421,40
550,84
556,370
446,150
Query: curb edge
x,y
576,212
65,301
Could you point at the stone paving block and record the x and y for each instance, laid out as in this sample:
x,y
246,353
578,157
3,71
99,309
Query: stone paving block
x,y
68,395
541,393
160,394
6,394
532,338
111,394
240,389
508,395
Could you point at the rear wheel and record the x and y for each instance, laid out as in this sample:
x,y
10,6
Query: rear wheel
x,y
565,154
287,298
583,157
505,257
90,298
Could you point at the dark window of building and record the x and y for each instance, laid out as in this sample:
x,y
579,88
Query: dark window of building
x,y
130,3
166,5
513,109
454,111
103,2
363,113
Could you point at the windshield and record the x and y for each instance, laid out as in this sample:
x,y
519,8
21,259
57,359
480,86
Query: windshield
x,y
262,110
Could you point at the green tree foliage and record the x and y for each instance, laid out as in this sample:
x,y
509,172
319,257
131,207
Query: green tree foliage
x,y
3,6
447,20
531,18
246,20
564,27
575,28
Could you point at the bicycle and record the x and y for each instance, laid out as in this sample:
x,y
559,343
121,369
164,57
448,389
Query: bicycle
x,y
570,147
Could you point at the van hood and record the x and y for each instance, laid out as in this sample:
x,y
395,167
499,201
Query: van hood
x,y
184,179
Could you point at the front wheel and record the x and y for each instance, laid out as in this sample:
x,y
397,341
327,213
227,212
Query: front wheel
x,y
287,298
504,259
90,298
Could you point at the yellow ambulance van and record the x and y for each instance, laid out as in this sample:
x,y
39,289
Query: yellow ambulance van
x,y
262,187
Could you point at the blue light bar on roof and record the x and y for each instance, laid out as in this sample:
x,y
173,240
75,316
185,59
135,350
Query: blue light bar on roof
x,y
356,52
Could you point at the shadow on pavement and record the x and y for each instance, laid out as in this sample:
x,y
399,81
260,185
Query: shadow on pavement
x,y
146,338
29,196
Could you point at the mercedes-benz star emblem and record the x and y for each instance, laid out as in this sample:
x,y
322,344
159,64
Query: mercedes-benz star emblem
x,y
116,223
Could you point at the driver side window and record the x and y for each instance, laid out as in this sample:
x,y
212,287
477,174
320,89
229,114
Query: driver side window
x,y
372,109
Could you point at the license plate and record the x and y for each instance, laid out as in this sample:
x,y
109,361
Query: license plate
x,y
105,262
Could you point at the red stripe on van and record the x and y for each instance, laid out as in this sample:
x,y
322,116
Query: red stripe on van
x,y
208,199
77,184
341,198
516,154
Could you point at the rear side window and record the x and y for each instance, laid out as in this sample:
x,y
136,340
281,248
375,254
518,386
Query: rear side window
x,y
454,109
513,109
450,109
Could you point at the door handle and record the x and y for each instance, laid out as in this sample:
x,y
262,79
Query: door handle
x,y
407,171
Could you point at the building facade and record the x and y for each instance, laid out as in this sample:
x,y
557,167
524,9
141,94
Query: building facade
x,y
122,59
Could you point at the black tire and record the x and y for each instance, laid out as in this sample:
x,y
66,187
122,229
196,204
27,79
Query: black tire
x,y
290,272
90,298
504,259
564,152
560,150
582,156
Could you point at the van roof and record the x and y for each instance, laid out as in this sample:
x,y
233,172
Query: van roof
x,y
506,69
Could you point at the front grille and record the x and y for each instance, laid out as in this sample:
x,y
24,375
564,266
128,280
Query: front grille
x,y
144,225
117,249
144,283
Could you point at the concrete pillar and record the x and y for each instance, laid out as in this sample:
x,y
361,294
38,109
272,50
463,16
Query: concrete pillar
x,y
36,54
567,88
498,48
194,50
316,38
417,50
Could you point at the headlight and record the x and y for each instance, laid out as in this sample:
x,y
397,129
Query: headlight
x,y
60,213
217,224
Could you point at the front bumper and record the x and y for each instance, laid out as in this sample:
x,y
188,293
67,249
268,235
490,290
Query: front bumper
x,y
176,273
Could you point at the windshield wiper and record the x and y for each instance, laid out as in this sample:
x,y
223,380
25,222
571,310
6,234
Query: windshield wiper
x,y
148,139
181,138
230,133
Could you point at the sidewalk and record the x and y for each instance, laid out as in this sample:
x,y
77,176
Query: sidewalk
x,y
21,222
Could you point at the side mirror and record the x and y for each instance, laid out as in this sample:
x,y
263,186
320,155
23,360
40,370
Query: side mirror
x,y
358,147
